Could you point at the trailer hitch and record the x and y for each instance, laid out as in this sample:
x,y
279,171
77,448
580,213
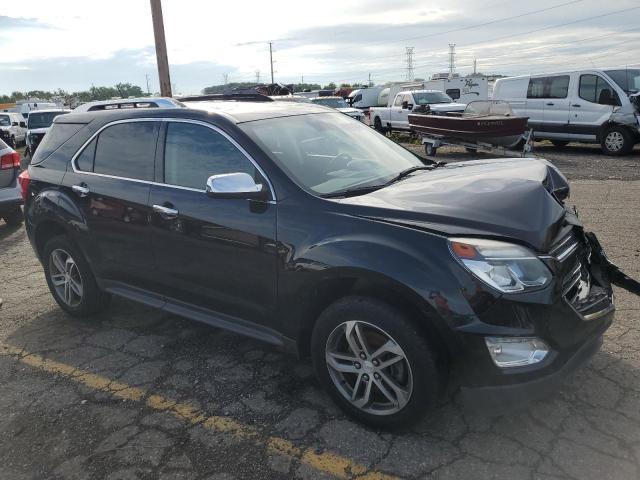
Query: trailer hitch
x,y
614,273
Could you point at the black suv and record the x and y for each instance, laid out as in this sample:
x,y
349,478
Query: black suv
x,y
299,226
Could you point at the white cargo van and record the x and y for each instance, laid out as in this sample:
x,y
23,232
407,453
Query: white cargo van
x,y
364,98
594,106
13,128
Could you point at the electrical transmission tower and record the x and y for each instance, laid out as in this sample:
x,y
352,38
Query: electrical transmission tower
x,y
452,58
257,76
409,53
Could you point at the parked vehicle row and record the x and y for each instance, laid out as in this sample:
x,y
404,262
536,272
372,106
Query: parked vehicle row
x,y
38,123
299,226
339,104
591,106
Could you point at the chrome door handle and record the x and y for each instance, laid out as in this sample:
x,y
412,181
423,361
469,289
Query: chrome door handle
x,y
550,104
166,212
575,105
82,190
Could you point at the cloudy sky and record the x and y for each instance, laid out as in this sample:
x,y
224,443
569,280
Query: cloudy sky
x,y
72,44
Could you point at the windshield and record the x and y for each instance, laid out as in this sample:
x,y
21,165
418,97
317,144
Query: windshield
x,y
627,79
331,102
5,121
41,119
330,152
428,98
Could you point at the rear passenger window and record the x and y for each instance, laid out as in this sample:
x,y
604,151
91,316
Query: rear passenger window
x,y
84,161
127,150
548,87
193,153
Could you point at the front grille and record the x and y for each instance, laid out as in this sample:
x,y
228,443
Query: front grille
x,y
588,299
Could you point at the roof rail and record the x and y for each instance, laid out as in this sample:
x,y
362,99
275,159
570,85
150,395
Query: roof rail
x,y
238,97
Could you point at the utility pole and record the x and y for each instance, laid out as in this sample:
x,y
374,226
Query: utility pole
x,y
146,75
369,83
257,76
271,59
161,48
409,53
452,57
474,67
302,79
225,78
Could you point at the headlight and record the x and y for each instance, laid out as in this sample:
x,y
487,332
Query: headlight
x,y
504,266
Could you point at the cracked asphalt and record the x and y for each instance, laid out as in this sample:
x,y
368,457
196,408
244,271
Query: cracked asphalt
x,y
134,393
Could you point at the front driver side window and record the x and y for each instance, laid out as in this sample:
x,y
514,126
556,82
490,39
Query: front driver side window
x,y
193,153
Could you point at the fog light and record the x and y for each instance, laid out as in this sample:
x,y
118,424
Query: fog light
x,y
516,351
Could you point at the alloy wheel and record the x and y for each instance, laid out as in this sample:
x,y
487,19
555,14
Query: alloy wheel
x,y
65,277
614,141
369,368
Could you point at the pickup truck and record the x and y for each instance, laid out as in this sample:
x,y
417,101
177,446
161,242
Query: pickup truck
x,y
395,116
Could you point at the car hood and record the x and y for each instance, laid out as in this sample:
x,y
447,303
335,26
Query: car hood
x,y
350,111
510,198
447,107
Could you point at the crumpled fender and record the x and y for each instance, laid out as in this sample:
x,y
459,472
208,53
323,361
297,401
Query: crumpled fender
x,y
615,273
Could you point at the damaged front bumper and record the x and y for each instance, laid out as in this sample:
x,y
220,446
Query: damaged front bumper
x,y
573,325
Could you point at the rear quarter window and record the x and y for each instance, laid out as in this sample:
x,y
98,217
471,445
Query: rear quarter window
x,y
58,135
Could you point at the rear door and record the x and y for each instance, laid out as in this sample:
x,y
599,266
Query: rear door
x,y
215,253
591,107
110,182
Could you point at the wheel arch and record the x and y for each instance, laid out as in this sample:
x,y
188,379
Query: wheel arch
x,y
379,287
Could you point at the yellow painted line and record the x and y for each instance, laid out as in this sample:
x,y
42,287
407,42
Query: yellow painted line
x,y
327,462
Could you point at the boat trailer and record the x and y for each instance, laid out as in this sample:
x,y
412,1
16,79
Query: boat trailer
x,y
522,148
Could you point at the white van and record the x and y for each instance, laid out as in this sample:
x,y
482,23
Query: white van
x,y
13,128
363,98
594,106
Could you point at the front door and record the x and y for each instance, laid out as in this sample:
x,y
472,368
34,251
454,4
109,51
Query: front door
x,y
218,254
110,182
592,107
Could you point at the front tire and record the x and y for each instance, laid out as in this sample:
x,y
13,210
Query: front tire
x,y
617,141
70,278
376,365
14,217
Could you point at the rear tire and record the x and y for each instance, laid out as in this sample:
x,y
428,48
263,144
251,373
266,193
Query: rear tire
x,y
70,278
412,381
617,141
14,217
377,125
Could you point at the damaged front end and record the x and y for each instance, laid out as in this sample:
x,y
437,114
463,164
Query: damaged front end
x,y
607,269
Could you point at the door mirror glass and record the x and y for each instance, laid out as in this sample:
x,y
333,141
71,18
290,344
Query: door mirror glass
x,y
234,185
23,124
15,124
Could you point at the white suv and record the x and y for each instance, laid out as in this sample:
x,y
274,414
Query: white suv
x,y
13,128
593,106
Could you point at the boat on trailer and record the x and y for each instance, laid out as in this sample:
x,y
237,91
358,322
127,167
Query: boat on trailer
x,y
490,122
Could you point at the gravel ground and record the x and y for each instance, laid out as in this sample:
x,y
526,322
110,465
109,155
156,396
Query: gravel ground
x,y
578,161
137,393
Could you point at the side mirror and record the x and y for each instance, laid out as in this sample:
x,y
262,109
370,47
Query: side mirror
x,y
409,106
235,185
23,124
14,124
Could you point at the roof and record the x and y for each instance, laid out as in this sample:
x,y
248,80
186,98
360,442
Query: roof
x,y
333,97
250,111
50,110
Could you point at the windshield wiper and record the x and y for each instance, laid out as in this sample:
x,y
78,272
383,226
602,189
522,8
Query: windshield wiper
x,y
409,171
351,192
